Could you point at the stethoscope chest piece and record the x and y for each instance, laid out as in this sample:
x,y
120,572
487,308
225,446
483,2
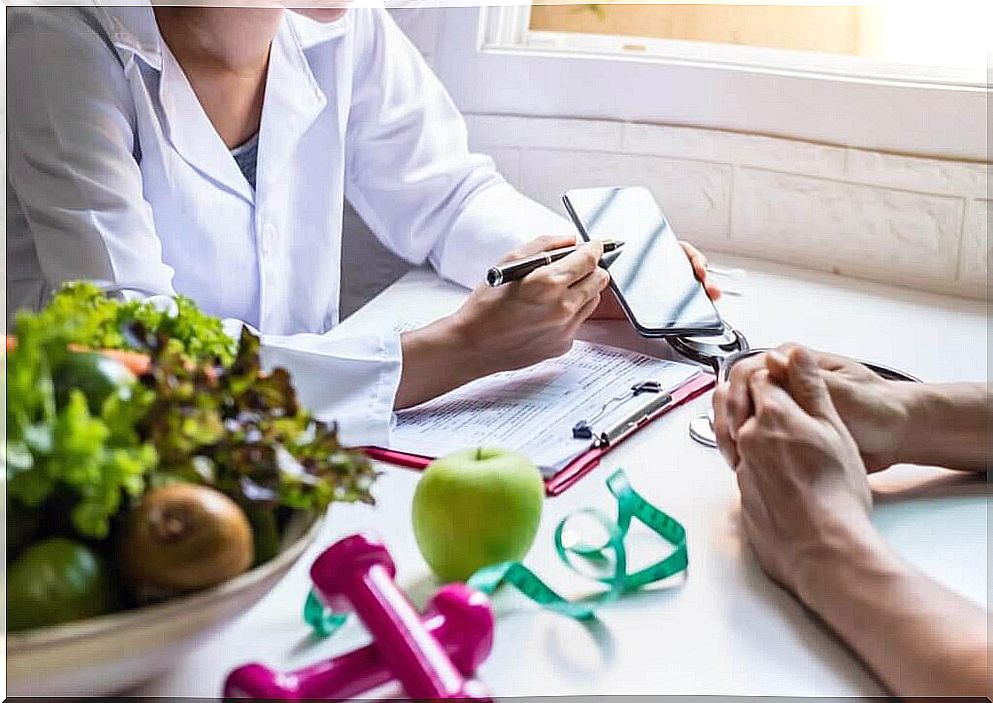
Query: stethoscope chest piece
x,y
715,353
702,430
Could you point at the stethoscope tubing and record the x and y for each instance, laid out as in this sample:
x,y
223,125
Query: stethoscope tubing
x,y
711,353
728,352
887,373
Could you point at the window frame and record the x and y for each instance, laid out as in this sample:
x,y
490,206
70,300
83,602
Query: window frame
x,y
487,50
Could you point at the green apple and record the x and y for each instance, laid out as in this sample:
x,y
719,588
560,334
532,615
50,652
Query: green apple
x,y
476,507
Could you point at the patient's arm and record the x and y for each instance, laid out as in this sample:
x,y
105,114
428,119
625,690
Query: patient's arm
x,y
949,425
919,637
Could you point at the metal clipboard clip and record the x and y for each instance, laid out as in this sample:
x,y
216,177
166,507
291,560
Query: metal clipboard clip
x,y
655,400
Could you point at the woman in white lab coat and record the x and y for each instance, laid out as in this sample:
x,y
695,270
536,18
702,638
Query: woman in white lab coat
x,y
209,151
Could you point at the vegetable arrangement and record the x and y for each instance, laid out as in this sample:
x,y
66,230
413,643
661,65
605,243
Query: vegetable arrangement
x,y
165,465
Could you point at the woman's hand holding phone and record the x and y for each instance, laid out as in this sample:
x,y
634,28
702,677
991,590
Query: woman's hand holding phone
x,y
610,309
699,263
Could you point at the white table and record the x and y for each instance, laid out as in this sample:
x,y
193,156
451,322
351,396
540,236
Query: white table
x,y
725,629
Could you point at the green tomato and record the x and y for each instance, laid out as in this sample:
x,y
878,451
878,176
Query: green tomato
x,y
55,581
97,376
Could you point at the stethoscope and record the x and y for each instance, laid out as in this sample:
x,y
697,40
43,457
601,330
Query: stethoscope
x,y
720,353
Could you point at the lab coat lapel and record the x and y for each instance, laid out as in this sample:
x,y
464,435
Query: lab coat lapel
x,y
293,100
133,32
191,133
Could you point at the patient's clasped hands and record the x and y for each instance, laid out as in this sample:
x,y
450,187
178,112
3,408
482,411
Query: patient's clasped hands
x,y
875,411
803,430
803,484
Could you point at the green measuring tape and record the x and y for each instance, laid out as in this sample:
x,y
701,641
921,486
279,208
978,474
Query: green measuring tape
x,y
630,506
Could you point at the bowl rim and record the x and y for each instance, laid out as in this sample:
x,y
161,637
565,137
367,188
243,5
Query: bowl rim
x,y
18,642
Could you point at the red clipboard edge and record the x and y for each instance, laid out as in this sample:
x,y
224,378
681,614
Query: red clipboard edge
x,y
392,456
582,464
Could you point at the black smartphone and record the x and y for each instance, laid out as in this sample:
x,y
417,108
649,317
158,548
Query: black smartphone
x,y
651,274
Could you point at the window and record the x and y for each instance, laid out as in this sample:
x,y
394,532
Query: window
x,y
932,41
899,76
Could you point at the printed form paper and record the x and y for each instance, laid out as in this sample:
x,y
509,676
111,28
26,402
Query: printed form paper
x,y
534,410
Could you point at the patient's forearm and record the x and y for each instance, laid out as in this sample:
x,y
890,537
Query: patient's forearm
x,y
917,636
949,425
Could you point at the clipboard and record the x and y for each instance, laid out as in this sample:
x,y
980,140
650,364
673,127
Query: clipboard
x,y
643,413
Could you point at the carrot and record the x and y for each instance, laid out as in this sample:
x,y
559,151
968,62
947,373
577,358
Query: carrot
x,y
135,362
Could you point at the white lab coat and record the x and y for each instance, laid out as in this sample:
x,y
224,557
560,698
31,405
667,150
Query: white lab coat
x,y
115,173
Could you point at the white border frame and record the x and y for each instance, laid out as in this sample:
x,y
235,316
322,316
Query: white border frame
x,y
489,62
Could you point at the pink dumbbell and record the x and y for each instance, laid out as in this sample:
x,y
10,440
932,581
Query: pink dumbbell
x,y
357,574
458,617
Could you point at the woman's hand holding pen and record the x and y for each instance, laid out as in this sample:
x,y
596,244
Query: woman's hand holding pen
x,y
506,327
524,322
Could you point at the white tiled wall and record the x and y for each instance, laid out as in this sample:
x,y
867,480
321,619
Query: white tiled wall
x,y
976,251
922,223
853,229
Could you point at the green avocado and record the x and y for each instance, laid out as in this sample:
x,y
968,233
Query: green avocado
x,y
97,376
